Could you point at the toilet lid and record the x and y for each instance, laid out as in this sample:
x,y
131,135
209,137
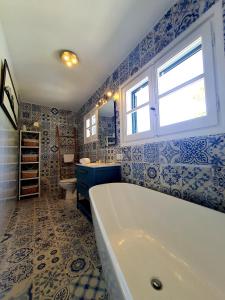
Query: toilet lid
x,y
69,180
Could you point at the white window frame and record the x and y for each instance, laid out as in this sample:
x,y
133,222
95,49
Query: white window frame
x,y
211,27
91,138
211,119
138,81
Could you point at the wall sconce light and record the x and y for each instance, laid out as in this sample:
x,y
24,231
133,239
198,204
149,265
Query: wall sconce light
x,y
116,96
109,94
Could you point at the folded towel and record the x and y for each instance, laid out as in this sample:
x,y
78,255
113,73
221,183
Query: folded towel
x,y
68,158
85,161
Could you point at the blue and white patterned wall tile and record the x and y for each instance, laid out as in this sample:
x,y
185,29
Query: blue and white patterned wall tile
x,y
126,169
198,187
137,153
26,115
152,176
138,172
115,79
151,153
194,151
208,196
216,150
171,176
169,152
185,12
219,178
134,60
147,49
126,151
164,32
205,5
196,177
124,71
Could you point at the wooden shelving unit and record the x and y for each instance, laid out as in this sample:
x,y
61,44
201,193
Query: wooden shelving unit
x,y
34,165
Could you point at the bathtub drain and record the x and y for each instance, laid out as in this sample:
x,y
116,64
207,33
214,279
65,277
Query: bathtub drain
x,y
156,284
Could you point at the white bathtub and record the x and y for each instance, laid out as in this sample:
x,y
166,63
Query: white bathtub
x,y
143,234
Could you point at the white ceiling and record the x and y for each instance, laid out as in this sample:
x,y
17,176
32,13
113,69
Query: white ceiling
x,y
101,32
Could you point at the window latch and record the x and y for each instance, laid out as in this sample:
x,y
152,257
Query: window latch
x,y
152,108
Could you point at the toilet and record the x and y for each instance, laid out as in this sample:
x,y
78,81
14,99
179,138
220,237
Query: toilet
x,y
69,186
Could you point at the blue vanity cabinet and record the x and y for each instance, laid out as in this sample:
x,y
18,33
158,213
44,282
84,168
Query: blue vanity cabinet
x,y
90,176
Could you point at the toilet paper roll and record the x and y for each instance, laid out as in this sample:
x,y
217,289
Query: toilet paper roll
x,y
68,158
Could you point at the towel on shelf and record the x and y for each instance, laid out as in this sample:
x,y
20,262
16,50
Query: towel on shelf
x,y
85,160
68,158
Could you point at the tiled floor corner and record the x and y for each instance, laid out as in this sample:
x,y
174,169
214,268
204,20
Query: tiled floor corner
x,y
49,252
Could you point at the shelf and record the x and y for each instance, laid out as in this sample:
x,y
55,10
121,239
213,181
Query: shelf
x,y
30,147
36,164
28,131
29,195
6,181
22,179
9,163
9,146
8,198
29,162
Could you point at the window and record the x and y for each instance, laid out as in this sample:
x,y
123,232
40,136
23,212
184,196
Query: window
x,y
186,97
138,108
181,86
90,127
175,94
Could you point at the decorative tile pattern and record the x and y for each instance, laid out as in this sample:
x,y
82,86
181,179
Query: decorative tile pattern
x,y
189,168
126,170
124,71
147,50
38,261
126,151
216,146
49,118
138,171
151,153
169,152
152,176
134,61
171,175
164,31
137,153
184,14
194,151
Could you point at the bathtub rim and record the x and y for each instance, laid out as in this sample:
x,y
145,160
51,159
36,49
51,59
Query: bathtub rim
x,y
119,273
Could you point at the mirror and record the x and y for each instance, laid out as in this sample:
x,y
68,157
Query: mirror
x,y
107,124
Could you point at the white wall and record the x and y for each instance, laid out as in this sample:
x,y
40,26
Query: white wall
x,y
8,137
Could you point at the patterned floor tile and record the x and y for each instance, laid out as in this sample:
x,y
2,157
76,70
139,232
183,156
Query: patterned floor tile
x,y
49,252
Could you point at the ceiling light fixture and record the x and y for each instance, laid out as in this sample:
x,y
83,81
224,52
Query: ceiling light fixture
x,y
69,58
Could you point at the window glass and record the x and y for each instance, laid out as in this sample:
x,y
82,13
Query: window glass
x,y
184,104
183,67
93,120
137,95
88,123
138,121
88,132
